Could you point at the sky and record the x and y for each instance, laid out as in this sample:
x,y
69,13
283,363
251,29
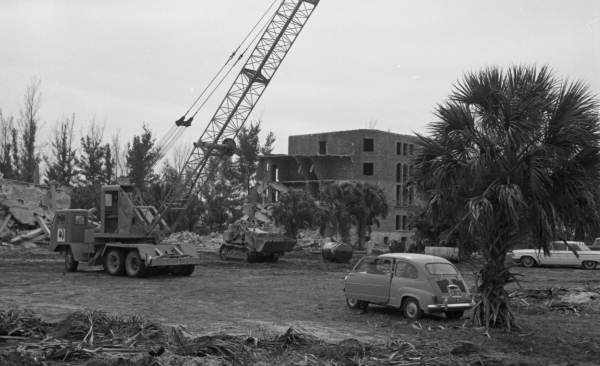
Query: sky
x,y
381,64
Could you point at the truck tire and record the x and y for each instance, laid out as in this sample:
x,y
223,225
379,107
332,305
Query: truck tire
x,y
134,265
70,262
114,262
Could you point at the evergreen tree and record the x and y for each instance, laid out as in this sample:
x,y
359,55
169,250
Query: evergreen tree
x,y
109,165
91,159
140,158
62,163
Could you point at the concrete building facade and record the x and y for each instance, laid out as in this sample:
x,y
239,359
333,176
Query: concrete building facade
x,y
373,156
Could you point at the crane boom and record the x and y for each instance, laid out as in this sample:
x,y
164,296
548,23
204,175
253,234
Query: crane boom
x,y
250,84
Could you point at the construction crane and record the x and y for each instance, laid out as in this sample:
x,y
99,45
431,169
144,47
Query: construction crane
x,y
219,135
128,239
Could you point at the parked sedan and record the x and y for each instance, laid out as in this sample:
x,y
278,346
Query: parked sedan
x,y
415,283
560,254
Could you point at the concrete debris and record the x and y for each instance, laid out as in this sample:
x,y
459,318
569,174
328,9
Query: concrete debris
x,y
26,210
25,200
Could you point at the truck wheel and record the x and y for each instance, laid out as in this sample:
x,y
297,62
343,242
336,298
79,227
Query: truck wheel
x,y
586,265
186,270
411,309
528,262
114,262
70,262
134,265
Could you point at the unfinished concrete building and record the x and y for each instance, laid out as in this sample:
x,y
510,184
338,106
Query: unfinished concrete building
x,y
368,155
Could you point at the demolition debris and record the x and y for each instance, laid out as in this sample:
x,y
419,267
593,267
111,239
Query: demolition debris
x,y
27,210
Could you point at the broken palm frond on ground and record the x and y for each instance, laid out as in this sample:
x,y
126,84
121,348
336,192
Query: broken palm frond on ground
x,y
95,338
26,210
570,300
82,335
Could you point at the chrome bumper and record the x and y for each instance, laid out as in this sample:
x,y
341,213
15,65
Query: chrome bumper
x,y
444,307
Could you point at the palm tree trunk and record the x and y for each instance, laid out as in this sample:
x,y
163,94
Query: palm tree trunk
x,y
493,308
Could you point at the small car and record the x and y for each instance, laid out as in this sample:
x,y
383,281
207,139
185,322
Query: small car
x,y
415,283
561,254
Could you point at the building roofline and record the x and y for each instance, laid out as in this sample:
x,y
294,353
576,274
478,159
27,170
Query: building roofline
x,y
367,130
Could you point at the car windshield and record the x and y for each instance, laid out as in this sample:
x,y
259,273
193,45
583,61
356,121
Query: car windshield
x,y
440,269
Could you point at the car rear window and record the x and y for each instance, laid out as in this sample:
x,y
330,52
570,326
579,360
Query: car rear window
x,y
440,269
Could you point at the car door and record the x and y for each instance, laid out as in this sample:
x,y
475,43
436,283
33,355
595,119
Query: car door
x,y
370,280
545,259
561,255
406,280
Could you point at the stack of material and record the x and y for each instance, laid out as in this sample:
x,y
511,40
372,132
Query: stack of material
x,y
26,210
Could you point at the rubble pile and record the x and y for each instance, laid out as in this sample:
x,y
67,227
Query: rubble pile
x,y
209,243
95,338
26,211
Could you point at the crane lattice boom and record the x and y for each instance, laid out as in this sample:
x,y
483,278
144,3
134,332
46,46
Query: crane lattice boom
x,y
259,69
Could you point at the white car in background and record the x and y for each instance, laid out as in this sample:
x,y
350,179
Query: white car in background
x,y
561,254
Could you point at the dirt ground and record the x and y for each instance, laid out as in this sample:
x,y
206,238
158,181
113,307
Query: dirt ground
x,y
301,291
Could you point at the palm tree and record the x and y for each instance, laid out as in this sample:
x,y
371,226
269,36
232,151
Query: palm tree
x,y
357,203
295,210
514,154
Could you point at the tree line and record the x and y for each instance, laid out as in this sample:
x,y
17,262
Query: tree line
x,y
92,160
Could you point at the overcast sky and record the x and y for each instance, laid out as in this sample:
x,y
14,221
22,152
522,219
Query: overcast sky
x,y
358,63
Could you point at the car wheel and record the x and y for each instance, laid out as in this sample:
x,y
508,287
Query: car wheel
x,y
456,314
528,262
356,304
70,262
114,262
134,265
411,309
589,265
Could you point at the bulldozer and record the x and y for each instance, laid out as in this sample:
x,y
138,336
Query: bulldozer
x,y
255,237
120,241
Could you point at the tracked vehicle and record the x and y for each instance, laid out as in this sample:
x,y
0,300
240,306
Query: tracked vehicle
x,y
255,237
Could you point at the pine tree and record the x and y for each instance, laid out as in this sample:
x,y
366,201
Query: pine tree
x,y
140,158
92,156
62,163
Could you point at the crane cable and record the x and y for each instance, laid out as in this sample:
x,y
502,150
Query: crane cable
x,y
175,132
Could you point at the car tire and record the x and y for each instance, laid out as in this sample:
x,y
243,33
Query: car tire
x,y
411,309
134,265
356,304
114,262
528,262
70,262
453,315
589,264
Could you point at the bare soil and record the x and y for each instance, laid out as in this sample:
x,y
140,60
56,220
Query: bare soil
x,y
304,292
